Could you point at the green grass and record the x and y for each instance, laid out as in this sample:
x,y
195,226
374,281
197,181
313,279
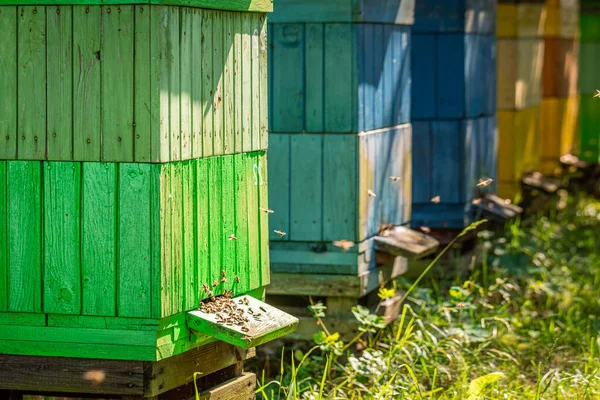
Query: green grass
x,y
523,325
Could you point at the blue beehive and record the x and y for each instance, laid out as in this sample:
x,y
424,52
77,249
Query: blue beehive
x,y
453,108
339,128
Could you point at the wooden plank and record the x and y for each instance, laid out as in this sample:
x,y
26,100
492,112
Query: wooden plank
x,y
31,53
196,82
166,200
15,319
3,236
97,322
69,374
446,148
263,70
561,67
265,323
306,166
340,70
117,93
242,264
279,189
314,76
228,226
87,83
497,209
263,220
174,64
257,6
255,118
378,78
340,212
191,286
405,242
59,83
142,115
314,285
208,83
133,267
186,71
218,64
24,216
177,290
62,241
8,84
254,166
227,40
156,249
203,225
423,79
589,122
215,170
450,79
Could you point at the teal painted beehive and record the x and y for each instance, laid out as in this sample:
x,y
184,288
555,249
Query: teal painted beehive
x,y
132,174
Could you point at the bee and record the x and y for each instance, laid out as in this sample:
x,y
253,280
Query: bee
x,y
262,309
477,201
484,183
266,210
245,329
205,288
425,229
248,339
435,200
232,237
223,280
395,178
371,193
597,93
210,294
237,279
215,283
223,273
507,201
344,244
280,233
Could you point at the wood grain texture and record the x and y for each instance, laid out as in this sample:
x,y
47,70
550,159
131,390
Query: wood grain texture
x,y
116,82
455,16
561,67
558,127
522,20
3,237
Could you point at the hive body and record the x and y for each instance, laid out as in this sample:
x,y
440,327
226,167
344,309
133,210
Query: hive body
x,y
589,117
132,173
453,108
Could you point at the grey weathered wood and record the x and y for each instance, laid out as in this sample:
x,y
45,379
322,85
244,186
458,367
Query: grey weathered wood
x,y
535,180
405,242
495,208
238,388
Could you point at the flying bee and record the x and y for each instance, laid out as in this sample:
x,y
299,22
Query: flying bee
x,y
266,210
223,273
232,237
395,178
343,244
436,200
280,233
237,279
484,183
477,201
371,193
425,229
223,280
597,93
215,283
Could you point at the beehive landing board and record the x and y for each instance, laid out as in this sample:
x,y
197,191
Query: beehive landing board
x,y
129,83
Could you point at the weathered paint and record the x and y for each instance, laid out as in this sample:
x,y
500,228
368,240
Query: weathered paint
x,y
234,5
130,83
455,16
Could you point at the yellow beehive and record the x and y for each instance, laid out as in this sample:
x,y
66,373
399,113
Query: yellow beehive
x,y
558,126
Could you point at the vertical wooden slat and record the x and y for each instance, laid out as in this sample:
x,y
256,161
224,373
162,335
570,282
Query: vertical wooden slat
x,y
246,83
142,74
99,234
242,182
190,258
252,165
133,269
203,225
422,162
263,201
228,201
117,83
186,82
314,78
62,220
256,28
228,84
155,240
378,77
24,236
165,239
173,67
388,79
196,82
86,83
216,221
208,83
60,82
446,172
306,154
340,211
340,68
218,64
237,81
8,83
263,114
3,237
279,189
32,83
176,235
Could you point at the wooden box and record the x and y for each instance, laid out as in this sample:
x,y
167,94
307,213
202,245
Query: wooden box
x,y
116,253
558,131
338,77
455,16
520,65
454,76
589,129
561,67
320,184
132,83
449,158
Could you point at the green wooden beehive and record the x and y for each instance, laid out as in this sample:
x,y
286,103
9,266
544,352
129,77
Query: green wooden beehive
x,y
132,173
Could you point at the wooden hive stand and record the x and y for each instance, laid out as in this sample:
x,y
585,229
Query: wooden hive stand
x,y
133,184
